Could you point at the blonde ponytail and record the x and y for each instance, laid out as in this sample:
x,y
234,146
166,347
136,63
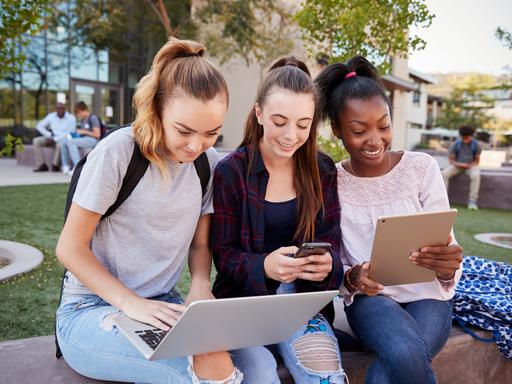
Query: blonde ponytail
x,y
178,67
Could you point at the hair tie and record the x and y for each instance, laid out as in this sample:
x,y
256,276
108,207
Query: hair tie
x,y
350,74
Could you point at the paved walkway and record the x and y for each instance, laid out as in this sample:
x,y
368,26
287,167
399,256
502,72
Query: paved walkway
x,y
14,174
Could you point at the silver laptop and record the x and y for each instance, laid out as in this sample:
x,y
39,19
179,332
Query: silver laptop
x,y
226,324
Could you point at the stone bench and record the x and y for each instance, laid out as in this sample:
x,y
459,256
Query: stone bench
x,y
462,360
495,189
27,156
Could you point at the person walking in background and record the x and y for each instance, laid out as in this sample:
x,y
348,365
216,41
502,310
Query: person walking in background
x,y
55,128
87,136
464,156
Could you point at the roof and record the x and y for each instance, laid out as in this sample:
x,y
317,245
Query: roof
x,y
392,83
423,78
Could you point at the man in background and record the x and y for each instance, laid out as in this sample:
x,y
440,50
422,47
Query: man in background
x,y
464,156
54,128
87,136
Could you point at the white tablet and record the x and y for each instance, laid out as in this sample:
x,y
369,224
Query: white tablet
x,y
396,236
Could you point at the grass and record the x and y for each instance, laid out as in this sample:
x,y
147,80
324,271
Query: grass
x,y
34,215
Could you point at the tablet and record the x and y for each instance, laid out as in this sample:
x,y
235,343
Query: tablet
x,y
396,236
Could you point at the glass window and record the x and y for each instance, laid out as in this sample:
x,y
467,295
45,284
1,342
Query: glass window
x,y
58,75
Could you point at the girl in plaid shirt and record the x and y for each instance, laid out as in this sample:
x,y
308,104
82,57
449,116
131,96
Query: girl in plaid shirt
x,y
273,193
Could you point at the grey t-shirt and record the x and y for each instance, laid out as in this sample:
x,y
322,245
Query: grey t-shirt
x,y
465,154
146,241
90,122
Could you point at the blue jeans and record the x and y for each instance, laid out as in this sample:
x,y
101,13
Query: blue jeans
x,y
405,337
313,343
70,149
93,347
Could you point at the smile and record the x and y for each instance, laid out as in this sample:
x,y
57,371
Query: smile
x,y
373,153
285,146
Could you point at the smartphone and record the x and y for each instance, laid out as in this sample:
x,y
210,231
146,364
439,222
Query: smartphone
x,y
308,249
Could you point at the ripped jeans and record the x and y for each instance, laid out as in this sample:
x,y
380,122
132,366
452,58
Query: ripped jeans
x,y
312,354
93,347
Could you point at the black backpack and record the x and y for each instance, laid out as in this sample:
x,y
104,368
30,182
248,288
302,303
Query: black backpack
x,y
136,169
104,131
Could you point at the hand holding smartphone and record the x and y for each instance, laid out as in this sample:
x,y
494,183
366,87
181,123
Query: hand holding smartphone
x,y
308,249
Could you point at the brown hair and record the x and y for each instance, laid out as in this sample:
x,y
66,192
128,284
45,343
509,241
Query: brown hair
x,y
291,74
81,106
178,68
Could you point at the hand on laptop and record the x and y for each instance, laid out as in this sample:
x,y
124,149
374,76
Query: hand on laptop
x,y
358,278
156,313
281,267
444,259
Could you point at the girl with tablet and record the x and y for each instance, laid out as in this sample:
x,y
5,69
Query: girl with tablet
x,y
405,325
132,260
273,193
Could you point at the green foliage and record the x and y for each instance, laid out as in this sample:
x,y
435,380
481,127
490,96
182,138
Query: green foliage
x,y
466,104
377,30
504,36
127,28
255,30
12,144
18,17
333,147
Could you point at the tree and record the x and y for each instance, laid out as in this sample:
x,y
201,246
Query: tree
x,y
130,28
17,17
504,36
255,30
378,30
466,106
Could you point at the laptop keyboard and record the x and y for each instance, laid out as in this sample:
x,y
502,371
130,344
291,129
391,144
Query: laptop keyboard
x,y
152,337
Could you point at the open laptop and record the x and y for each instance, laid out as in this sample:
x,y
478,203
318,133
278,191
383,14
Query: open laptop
x,y
396,236
226,324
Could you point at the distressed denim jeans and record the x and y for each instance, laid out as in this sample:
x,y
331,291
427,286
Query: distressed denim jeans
x,y
95,348
312,348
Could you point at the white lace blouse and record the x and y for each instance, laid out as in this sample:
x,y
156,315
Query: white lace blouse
x,y
415,184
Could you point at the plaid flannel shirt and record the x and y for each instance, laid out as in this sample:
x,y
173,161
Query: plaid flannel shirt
x,y
237,236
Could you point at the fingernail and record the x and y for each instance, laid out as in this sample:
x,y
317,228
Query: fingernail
x,y
381,287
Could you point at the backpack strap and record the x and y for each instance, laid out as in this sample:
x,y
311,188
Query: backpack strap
x,y
458,146
136,169
474,147
203,171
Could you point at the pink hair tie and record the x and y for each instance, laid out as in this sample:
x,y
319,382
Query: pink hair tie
x,y
350,74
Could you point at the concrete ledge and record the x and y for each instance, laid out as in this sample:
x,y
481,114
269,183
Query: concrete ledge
x,y
23,258
462,360
27,157
495,189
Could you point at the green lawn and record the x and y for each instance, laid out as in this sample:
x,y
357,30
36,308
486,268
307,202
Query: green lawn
x,y
34,215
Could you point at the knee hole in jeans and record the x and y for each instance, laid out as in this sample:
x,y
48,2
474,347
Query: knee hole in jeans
x,y
317,351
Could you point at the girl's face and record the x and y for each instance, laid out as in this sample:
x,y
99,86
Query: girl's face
x,y
191,126
365,128
286,118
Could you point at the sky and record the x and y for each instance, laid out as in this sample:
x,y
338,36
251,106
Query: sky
x,y
461,37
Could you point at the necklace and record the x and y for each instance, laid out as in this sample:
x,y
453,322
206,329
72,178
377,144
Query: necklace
x,y
355,174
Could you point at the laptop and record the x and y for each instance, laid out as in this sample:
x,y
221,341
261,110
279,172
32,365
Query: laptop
x,y
226,324
396,236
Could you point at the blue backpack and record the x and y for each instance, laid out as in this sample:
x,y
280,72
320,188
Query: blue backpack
x,y
483,298
473,145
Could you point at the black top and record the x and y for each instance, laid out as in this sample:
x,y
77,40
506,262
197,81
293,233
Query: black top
x,y
280,224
